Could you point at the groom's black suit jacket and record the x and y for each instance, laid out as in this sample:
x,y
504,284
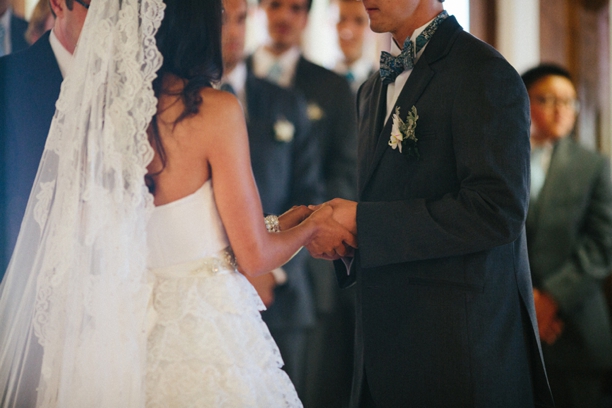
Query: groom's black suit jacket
x,y
445,314
30,83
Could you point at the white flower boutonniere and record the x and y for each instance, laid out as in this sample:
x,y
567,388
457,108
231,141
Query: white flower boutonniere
x,y
283,131
403,133
314,112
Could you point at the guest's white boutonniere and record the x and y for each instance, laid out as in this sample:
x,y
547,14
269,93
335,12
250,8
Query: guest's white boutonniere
x,y
314,112
403,135
283,131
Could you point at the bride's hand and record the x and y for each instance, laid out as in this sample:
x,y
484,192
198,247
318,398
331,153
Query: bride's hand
x,y
293,217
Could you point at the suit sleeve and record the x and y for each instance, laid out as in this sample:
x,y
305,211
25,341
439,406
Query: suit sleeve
x,y
591,260
489,122
341,158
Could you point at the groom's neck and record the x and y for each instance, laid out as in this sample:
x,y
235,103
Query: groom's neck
x,y
424,13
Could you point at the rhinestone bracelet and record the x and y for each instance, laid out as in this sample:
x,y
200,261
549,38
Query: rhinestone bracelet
x,y
272,224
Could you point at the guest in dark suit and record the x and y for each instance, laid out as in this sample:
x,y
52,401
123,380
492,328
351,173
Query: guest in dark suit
x,y
12,30
286,165
29,87
445,314
353,29
569,236
331,110
330,104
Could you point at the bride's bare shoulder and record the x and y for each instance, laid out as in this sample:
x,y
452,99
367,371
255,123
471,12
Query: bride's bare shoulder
x,y
219,113
219,106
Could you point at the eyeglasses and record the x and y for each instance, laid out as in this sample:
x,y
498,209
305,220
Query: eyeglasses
x,y
549,102
82,3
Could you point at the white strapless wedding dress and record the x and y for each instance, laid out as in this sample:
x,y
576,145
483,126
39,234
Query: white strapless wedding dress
x,y
207,346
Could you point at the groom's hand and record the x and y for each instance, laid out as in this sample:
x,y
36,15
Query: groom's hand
x,y
345,213
331,240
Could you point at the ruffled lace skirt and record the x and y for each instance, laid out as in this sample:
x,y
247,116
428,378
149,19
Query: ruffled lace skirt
x,y
208,346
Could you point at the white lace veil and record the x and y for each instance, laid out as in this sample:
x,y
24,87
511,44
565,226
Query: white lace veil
x,y
74,299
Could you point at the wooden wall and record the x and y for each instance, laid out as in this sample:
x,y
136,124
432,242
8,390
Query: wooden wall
x,y
483,14
575,34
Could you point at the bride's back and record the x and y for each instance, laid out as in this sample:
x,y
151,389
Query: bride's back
x,y
189,144
199,134
188,108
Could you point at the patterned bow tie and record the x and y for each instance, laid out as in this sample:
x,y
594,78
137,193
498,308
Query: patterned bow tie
x,y
391,67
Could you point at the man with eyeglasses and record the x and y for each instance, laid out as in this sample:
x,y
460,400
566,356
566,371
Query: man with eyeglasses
x,y
29,87
569,237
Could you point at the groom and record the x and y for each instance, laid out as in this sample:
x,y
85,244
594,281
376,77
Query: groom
x,y
445,314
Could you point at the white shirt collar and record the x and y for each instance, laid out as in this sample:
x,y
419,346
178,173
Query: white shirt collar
x,y
5,20
263,60
63,57
396,50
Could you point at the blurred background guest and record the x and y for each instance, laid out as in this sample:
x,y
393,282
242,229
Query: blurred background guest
x,y
12,30
41,21
29,87
331,112
353,26
569,236
285,160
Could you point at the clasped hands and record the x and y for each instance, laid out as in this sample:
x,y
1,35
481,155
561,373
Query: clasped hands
x,y
334,227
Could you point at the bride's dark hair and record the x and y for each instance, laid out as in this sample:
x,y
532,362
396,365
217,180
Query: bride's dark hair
x,y
189,40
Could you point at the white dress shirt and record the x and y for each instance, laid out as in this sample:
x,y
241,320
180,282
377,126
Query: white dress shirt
x,y
395,88
63,57
264,60
540,163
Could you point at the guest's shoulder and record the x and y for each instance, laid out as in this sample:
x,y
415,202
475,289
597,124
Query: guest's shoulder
x,y
40,54
268,91
18,29
18,23
581,153
321,74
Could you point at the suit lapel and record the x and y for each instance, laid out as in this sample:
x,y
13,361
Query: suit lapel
x,y
367,145
414,87
554,183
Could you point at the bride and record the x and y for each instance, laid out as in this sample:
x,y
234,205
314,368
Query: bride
x,y
116,297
